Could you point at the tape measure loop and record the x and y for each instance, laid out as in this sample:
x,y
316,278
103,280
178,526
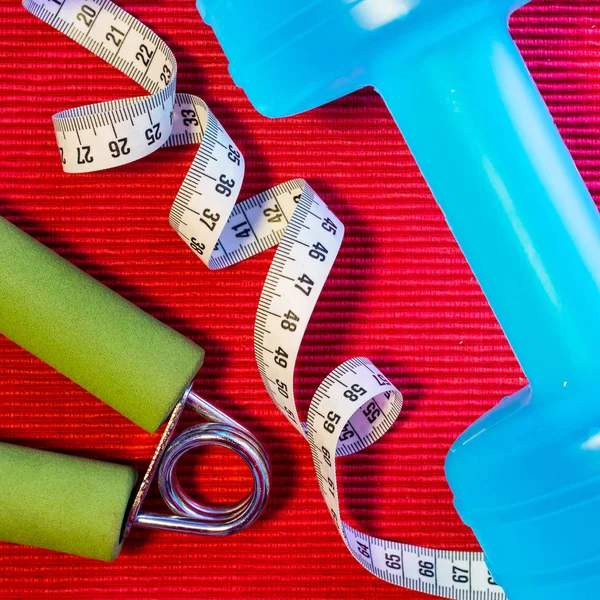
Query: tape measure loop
x,y
356,404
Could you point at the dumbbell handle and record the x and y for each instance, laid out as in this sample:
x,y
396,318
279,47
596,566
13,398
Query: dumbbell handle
x,y
488,147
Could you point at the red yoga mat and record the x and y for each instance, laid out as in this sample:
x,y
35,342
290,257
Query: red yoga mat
x,y
401,294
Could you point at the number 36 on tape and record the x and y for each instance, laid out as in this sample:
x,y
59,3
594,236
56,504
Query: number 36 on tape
x,y
356,404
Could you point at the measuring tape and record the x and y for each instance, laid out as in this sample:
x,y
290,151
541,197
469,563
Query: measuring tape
x,y
356,404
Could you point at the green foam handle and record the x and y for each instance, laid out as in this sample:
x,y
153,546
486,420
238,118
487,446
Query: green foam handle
x,y
90,334
63,503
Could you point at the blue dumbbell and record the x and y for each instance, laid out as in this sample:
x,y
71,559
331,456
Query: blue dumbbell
x,y
526,476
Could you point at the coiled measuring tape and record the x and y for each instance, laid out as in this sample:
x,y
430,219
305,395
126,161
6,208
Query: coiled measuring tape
x,y
356,404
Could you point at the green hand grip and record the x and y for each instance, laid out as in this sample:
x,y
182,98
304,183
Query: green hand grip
x,y
63,503
90,334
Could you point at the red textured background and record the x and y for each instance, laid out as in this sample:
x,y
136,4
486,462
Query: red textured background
x,y
411,305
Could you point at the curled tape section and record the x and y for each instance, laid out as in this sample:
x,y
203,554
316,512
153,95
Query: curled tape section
x,y
356,404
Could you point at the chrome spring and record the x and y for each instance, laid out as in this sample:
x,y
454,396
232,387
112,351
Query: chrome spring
x,y
189,515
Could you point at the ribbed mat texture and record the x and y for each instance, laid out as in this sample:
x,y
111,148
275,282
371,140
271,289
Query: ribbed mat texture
x,y
401,293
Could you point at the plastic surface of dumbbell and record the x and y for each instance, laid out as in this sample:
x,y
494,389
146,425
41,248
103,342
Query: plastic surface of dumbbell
x,y
526,477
